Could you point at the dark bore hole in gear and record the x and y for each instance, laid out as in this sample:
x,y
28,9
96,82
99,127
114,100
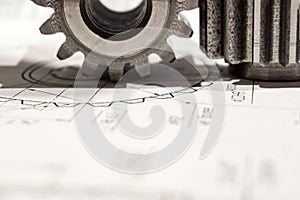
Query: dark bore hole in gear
x,y
114,25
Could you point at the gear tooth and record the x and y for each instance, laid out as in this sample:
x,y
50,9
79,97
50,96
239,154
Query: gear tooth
x,y
170,56
43,3
48,28
115,71
65,51
184,29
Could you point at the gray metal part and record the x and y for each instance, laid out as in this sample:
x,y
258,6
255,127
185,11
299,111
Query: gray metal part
x,y
67,19
259,38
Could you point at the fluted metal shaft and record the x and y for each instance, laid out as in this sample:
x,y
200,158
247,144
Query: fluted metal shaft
x,y
258,38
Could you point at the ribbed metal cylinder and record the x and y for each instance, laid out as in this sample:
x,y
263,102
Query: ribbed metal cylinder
x,y
258,38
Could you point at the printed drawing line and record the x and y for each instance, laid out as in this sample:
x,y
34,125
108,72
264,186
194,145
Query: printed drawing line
x,y
51,93
45,104
23,90
57,96
253,91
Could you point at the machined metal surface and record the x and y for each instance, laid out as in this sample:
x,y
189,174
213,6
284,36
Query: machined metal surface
x,y
88,23
258,38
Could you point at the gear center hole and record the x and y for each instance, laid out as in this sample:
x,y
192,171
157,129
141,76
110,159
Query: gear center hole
x,y
116,19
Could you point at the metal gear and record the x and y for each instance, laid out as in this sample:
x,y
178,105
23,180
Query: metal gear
x,y
87,23
260,39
